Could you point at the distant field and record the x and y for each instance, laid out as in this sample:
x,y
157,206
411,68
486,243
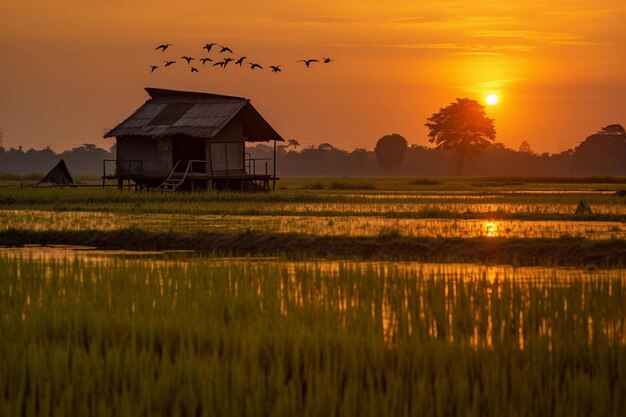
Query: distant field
x,y
394,198
382,209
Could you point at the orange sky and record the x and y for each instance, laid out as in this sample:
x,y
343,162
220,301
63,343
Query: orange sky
x,y
70,68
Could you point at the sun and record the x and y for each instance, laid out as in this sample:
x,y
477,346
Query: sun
x,y
491,99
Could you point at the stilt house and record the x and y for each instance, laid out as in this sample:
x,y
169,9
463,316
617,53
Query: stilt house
x,y
196,141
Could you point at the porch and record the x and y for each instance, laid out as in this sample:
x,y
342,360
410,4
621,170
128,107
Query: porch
x,y
258,174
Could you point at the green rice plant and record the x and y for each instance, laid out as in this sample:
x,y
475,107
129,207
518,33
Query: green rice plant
x,y
362,196
17,177
90,334
357,186
425,181
317,185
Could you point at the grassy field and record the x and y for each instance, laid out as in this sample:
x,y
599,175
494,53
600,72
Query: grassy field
x,y
113,335
332,320
391,198
390,212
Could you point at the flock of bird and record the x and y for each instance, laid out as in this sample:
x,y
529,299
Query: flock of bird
x,y
225,59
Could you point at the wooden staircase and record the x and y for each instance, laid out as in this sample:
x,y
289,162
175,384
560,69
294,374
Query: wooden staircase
x,y
174,180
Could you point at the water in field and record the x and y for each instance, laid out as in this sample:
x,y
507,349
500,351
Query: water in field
x,y
467,271
313,225
470,205
400,292
165,333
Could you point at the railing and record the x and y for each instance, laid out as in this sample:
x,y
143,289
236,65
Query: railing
x,y
129,167
200,166
126,167
172,172
250,164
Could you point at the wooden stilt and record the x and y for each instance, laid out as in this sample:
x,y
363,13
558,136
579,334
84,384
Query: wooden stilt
x,y
274,179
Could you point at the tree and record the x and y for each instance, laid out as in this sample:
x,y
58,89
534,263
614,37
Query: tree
x,y
612,130
294,143
325,147
390,151
602,153
462,127
525,148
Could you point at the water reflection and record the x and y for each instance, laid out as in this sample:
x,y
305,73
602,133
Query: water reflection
x,y
314,225
472,305
490,228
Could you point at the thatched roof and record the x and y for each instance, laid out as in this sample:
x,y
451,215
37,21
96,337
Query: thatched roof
x,y
199,115
59,175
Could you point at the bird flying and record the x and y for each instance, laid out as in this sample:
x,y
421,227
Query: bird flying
x,y
307,62
327,60
240,60
225,49
163,47
152,68
189,59
168,63
194,69
208,46
204,60
226,61
275,68
221,64
253,66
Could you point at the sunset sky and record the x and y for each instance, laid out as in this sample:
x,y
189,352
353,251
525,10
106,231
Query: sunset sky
x,y
71,68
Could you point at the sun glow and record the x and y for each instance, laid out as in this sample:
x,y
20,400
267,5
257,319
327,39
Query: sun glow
x,y
490,228
491,99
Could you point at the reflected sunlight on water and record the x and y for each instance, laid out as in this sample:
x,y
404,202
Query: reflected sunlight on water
x,y
475,305
490,228
314,225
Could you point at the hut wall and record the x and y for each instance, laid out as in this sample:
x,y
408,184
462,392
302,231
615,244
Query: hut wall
x,y
155,154
225,152
226,158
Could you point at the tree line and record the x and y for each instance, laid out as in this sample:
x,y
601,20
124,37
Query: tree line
x,y
464,140
81,160
599,154
465,143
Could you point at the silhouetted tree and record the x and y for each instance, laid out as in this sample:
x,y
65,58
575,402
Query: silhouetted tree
x,y
462,127
611,130
602,152
525,147
390,151
326,147
294,143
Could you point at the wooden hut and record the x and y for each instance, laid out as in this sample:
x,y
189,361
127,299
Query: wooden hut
x,y
195,141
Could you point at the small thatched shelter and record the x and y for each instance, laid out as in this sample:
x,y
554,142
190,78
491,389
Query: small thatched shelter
x,y
583,208
190,140
59,176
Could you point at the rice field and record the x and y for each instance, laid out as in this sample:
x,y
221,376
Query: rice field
x,y
86,331
531,204
351,226
105,333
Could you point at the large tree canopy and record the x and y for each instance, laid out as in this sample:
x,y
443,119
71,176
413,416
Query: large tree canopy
x,y
604,151
462,127
612,130
390,151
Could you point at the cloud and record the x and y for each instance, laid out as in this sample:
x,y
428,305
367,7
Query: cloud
x,y
470,49
547,38
358,20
